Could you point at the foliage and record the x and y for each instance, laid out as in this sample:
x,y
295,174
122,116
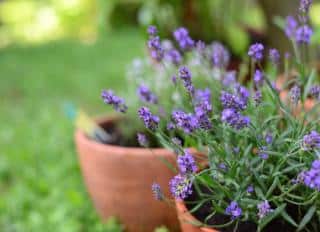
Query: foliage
x,y
219,20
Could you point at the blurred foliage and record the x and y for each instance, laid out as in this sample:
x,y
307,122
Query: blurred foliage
x,y
207,19
36,21
315,19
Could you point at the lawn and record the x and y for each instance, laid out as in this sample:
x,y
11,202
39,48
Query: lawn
x,y
41,188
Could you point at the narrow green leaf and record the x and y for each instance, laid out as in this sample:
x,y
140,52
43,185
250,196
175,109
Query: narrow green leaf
x,y
307,218
288,218
309,83
273,186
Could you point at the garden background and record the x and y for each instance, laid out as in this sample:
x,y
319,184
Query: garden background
x,y
58,54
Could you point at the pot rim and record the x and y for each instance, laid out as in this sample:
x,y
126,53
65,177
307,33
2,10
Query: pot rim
x,y
120,150
182,209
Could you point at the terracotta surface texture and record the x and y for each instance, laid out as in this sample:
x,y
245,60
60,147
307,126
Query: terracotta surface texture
x,y
119,181
187,221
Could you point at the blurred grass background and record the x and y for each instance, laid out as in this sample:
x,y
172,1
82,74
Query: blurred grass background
x,y
40,184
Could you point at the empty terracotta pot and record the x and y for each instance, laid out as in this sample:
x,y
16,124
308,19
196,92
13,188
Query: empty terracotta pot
x,y
188,222
119,181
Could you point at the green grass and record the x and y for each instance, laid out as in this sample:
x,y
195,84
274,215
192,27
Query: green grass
x,y
41,188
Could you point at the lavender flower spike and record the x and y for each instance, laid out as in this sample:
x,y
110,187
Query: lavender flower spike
x,y
315,92
186,163
150,121
256,51
233,210
258,78
142,140
111,99
152,30
291,27
264,209
274,56
305,6
295,94
146,95
303,34
182,37
220,55
180,186
311,178
311,141
157,192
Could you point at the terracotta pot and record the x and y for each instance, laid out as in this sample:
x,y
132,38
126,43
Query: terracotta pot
x,y
188,222
119,181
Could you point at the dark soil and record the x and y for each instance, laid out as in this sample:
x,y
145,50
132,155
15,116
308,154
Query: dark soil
x,y
205,210
119,139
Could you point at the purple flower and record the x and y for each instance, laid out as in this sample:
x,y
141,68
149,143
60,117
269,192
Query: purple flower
x,y
233,210
187,122
111,99
291,27
269,138
142,140
170,126
176,141
242,93
250,189
238,100
174,79
257,97
256,51
234,119
182,37
150,121
311,141
236,150
173,56
274,56
264,209
303,34
315,92
229,79
258,78
180,186
156,50
184,73
201,112
157,192
200,45
203,107
186,163
146,95
185,76
311,178
220,55
305,6
152,30
203,95
263,154
223,167
295,94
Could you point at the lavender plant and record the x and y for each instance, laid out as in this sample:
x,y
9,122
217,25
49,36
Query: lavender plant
x,y
262,145
159,81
